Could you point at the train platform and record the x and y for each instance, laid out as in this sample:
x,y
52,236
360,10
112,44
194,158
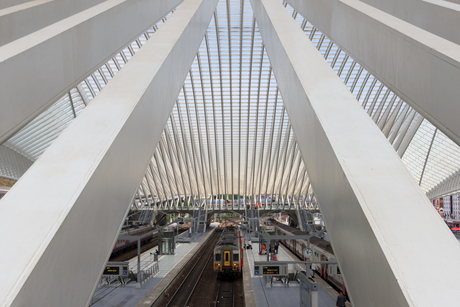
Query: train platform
x,y
130,296
277,293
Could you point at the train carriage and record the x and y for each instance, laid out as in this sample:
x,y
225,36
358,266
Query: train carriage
x,y
124,245
322,251
228,253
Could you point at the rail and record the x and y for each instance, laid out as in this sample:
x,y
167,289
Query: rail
x,y
204,248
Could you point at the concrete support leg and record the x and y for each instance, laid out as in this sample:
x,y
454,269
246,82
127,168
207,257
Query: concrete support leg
x,y
375,213
61,220
420,67
39,68
436,16
23,19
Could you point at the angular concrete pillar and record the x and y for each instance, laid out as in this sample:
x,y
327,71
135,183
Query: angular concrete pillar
x,y
59,223
384,231
420,67
39,68
436,16
23,19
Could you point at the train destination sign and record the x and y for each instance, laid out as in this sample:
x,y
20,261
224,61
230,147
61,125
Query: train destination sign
x,y
116,269
271,270
112,271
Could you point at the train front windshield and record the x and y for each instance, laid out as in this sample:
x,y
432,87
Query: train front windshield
x,y
218,257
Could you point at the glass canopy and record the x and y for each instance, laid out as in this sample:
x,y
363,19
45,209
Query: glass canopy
x,y
229,132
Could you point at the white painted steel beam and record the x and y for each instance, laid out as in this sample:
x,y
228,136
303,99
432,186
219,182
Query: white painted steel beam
x,y
41,67
436,16
10,3
420,67
25,18
74,198
366,193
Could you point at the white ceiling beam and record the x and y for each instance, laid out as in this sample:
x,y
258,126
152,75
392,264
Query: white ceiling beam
x,y
40,68
25,18
420,67
436,16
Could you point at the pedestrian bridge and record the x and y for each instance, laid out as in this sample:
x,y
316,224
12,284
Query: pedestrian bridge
x,y
300,213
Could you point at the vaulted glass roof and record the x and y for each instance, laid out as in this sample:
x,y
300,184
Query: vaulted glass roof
x,y
229,132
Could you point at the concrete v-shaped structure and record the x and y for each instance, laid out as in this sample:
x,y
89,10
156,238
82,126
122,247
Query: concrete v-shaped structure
x,y
227,132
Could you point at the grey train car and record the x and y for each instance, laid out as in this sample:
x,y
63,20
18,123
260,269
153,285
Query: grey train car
x,y
228,253
322,251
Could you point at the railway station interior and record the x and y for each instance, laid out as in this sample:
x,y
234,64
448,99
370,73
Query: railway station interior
x,y
229,153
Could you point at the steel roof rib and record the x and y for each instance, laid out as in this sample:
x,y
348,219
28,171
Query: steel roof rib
x,y
250,148
184,169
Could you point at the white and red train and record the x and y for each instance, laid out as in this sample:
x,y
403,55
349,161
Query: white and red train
x,y
123,245
322,251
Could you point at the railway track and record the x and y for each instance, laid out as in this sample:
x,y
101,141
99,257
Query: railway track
x,y
197,284
230,293
183,290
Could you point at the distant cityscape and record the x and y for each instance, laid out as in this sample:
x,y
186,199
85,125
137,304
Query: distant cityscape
x,y
449,209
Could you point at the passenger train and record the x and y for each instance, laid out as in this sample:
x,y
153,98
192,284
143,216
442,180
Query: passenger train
x,y
322,251
123,245
228,253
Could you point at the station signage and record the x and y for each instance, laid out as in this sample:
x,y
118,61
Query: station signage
x,y
111,271
116,269
271,270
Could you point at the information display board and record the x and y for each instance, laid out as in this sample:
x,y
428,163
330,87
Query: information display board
x,y
111,271
116,269
270,268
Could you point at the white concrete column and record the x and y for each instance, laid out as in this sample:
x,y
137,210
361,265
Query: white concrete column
x,y
420,67
61,220
375,213
41,67
25,18
10,3
439,17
